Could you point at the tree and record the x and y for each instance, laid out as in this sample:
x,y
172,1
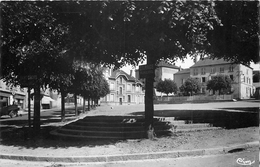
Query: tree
x,y
237,38
220,83
256,76
190,85
31,44
127,32
167,86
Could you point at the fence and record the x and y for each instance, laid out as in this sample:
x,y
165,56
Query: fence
x,y
196,98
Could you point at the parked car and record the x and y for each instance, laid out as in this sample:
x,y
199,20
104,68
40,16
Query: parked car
x,y
11,110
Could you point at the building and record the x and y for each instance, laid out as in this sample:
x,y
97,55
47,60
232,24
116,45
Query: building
x,y
204,69
10,94
163,71
124,89
181,76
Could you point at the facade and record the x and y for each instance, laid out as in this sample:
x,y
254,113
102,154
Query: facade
x,y
165,71
10,95
204,69
124,89
181,76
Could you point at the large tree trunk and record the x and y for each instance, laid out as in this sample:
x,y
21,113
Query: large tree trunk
x,y
149,107
76,104
62,106
37,110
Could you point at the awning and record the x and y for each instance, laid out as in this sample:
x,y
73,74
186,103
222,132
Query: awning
x,y
46,100
4,94
19,96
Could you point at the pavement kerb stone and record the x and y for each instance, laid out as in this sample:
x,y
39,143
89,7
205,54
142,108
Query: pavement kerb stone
x,y
129,157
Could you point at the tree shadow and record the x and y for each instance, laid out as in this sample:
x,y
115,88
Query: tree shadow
x,y
217,118
24,137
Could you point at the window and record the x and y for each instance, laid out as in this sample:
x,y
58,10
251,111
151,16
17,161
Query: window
x,y
195,72
133,88
249,81
137,88
203,71
231,69
213,70
128,87
129,98
221,69
247,71
121,80
112,86
182,81
120,90
112,97
203,79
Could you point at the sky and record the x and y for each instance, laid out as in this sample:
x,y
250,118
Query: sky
x,y
184,64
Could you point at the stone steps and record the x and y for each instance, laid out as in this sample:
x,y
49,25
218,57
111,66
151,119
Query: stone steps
x,y
109,127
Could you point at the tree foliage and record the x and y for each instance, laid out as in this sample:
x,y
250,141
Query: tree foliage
x,y
31,42
219,82
190,86
237,37
166,86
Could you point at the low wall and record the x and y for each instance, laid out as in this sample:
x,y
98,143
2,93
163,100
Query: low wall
x,y
187,99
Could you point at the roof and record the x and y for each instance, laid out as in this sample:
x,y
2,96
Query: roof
x,y
168,65
183,71
209,61
116,73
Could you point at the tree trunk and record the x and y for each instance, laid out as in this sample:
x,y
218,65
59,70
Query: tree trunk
x,y
88,103
84,104
76,104
37,110
149,108
62,106
91,103
29,107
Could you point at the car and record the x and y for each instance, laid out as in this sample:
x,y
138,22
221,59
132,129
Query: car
x,y
11,110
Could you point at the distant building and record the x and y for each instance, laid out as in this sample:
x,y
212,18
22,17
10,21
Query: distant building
x,y
163,71
10,94
205,69
124,89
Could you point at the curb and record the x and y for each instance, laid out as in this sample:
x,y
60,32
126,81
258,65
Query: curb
x,y
129,157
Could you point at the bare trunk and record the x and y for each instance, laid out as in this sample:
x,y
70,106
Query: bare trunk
x,y
62,106
29,107
76,105
88,104
84,104
149,107
37,110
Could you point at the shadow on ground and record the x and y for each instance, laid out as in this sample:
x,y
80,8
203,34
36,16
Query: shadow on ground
x,y
244,117
22,137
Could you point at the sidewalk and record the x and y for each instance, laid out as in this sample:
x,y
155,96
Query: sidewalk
x,y
128,157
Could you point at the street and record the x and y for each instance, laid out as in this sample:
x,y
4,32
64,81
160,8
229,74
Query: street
x,y
222,160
